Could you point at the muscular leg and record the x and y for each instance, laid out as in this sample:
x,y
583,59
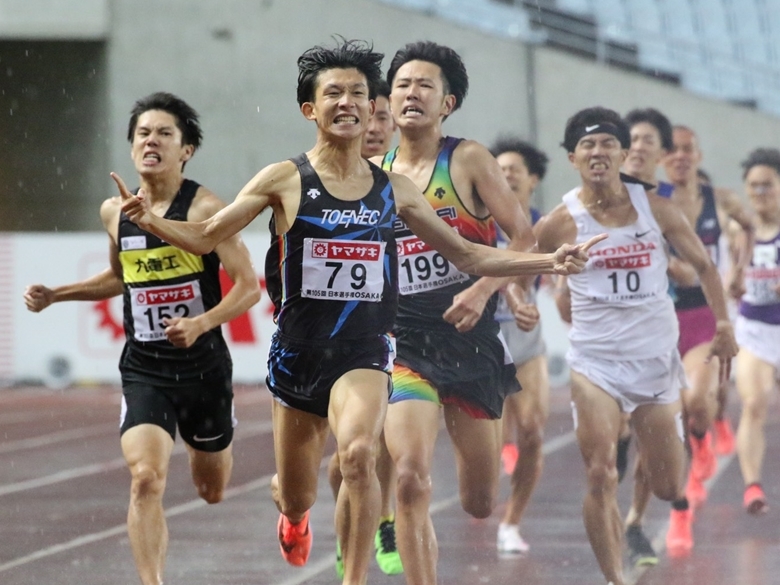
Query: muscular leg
x,y
147,451
477,444
641,497
599,419
411,429
211,472
663,462
358,404
385,472
700,398
755,380
299,442
531,408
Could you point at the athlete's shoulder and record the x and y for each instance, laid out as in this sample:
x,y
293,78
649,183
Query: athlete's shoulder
x,y
555,229
110,210
205,204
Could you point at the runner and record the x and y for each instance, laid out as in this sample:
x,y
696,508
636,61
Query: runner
x,y
331,272
525,413
176,368
624,332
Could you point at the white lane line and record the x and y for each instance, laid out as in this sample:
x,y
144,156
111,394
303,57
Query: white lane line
x,y
659,540
315,568
248,430
59,437
326,563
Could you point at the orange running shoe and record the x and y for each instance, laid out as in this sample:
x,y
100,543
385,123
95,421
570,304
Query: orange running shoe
x,y
509,457
679,539
695,492
703,461
724,437
294,540
755,500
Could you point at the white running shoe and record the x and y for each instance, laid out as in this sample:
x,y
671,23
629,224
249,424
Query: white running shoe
x,y
509,539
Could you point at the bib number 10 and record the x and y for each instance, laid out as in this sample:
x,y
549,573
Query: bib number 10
x,y
631,281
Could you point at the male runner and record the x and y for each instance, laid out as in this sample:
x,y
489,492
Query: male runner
x,y
525,413
758,322
176,368
623,354
451,355
332,273
705,208
376,142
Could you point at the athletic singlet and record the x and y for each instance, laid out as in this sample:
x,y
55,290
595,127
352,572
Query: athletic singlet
x,y
333,275
163,281
708,230
760,301
503,313
426,280
620,306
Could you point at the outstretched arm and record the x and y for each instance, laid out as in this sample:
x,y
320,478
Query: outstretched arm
x,y
103,285
474,258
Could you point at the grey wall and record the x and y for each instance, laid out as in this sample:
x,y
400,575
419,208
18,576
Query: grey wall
x,y
234,61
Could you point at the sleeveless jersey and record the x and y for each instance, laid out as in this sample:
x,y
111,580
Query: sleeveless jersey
x,y
620,306
333,275
760,301
503,313
708,229
162,281
427,281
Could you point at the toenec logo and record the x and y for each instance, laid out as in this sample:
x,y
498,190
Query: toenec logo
x,y
350,217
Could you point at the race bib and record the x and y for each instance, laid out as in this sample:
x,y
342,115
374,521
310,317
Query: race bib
x,y
343,270
151,305
421,268
620,277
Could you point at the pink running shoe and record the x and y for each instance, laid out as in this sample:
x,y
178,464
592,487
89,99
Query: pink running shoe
x,y
294,540
724,437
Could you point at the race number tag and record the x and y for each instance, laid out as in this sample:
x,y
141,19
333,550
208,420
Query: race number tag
x,y
763,277
153,304
343,270
421,268
619,277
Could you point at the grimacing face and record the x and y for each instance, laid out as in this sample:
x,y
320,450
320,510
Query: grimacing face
x,y
417,97
341,105
598,158
156,147
682,163
646,151
381,127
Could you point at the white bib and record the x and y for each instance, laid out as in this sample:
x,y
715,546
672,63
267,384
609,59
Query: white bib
x,y
421,268
151,305
343,270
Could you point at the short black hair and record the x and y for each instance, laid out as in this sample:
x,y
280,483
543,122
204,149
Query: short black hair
x,y
453,71
589,117
535,159
186,117
382,89
655,119
767,157
348,54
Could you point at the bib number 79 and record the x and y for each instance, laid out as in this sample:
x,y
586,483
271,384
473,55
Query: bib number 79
x,y
358,273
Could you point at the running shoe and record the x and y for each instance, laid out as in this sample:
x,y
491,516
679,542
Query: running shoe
x,y
695,492
509,457
509,539
622,456
724,437
679,539
339,562
755,500
640,549
703,461
294,540
387,556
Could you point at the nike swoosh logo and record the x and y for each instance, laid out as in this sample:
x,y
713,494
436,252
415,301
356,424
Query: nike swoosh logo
x,y
198,439
642,234
656,395
591,128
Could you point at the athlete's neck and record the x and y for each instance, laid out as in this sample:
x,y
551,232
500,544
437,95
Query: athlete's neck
x,y
645,176
341,160
603,195
687,190
420,145
160,188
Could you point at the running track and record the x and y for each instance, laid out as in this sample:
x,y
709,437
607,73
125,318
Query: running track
x,y
64,490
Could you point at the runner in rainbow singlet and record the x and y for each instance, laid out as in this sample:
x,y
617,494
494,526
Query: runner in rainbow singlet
x,y
758,322
702,205
451,355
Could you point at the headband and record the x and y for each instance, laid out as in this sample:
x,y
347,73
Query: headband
x,y
619,132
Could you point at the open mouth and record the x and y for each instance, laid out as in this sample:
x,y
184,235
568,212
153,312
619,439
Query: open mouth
x,y
345,120
412,111
152,157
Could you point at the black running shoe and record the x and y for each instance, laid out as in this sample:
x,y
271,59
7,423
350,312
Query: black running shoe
x,y
640,551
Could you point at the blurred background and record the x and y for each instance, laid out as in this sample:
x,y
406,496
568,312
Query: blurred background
x,y
70,71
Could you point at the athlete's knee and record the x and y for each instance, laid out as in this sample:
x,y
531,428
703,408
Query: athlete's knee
x,y
602,477
358,460
530,438
147,481
754,408
413,482
478,503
